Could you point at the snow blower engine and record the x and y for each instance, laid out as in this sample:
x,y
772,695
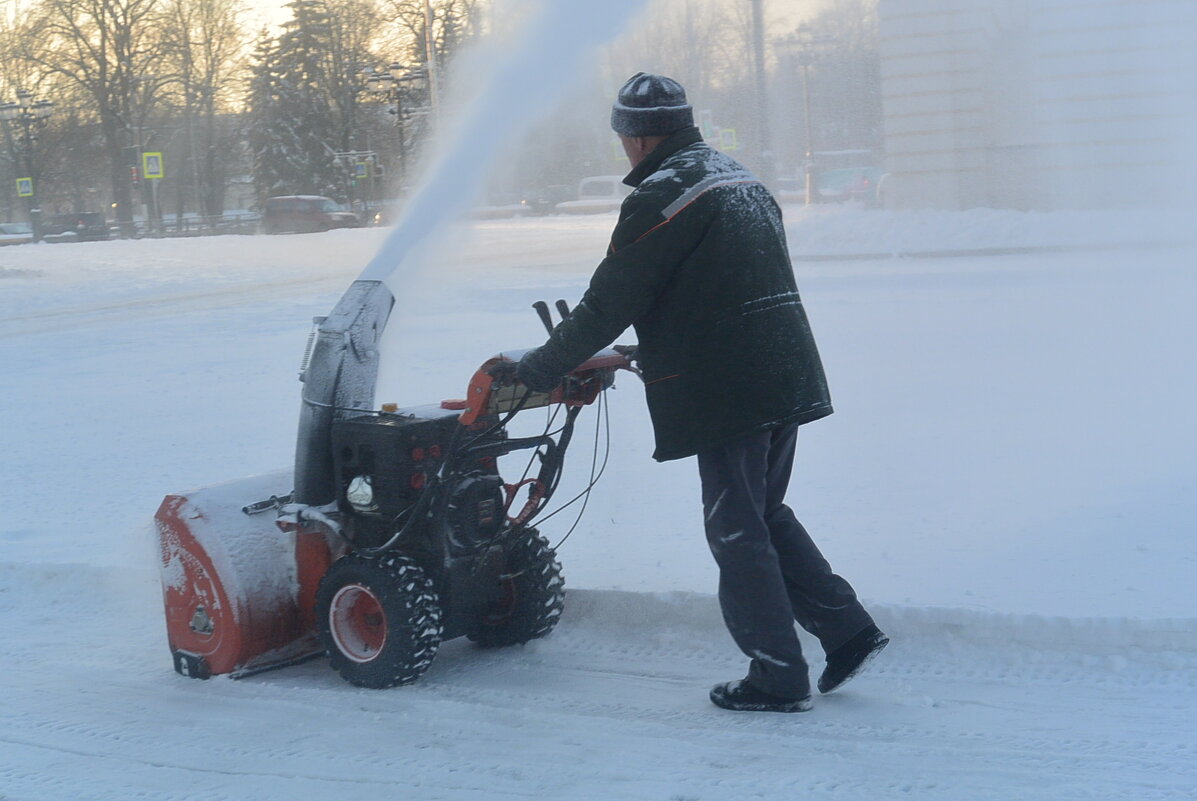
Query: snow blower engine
x,y
399,533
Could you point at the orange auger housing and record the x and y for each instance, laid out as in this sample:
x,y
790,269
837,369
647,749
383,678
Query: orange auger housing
x,y
239,590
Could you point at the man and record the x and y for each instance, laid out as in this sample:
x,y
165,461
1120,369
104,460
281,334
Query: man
x,y
698,264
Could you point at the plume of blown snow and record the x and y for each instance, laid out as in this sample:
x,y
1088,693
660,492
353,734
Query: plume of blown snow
x,y
510,80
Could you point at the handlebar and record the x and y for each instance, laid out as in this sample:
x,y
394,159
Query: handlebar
x,y
495,389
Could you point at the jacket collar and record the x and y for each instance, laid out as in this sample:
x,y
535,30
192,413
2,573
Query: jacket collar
x,y
653,161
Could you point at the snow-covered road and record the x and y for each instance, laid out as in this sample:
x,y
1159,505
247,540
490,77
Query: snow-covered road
x,y
1008,481
610,707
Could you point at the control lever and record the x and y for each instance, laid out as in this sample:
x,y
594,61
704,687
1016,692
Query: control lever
x,y
542,309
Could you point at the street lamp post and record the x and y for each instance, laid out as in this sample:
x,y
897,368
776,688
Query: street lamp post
x,y
804,44
31,115
767,166
386,85
142,89
394,85
430,65
805,58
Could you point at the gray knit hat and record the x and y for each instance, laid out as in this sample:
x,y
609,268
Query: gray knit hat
x,y
651,105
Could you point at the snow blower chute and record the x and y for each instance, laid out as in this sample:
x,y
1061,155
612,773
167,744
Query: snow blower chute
x,y
399,532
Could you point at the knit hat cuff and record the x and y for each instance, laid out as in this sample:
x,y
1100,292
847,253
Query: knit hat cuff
x,y
656,121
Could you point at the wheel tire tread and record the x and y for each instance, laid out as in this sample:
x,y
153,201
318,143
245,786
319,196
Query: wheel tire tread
x,y
540,595
406,593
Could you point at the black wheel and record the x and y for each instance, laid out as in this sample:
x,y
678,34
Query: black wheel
x,y
531,595
378,619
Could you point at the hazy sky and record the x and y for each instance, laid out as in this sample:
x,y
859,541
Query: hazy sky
x,y
783,13
268,11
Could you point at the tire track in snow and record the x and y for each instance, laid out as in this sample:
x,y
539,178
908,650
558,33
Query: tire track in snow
x,y
1010,749
609,701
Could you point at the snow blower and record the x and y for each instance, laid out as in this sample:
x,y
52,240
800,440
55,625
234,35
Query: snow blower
x,y
399,533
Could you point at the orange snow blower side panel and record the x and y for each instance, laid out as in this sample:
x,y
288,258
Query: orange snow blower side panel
x,y
239,591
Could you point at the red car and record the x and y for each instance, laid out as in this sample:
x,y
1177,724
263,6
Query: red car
x,y
297,214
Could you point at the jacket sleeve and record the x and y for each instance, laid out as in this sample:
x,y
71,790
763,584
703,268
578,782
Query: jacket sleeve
x,y
646,250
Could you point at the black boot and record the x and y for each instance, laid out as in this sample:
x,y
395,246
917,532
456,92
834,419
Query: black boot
x,y
852,657
741,696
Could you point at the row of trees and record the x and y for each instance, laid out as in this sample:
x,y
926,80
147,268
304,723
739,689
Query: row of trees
x,y
181,78
125,75
311,117
291,111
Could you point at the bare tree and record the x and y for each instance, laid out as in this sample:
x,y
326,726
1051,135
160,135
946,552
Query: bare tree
x,y
845,81
15,70
74,173
353,26
21,156
203,54
702,43
111,50
453,23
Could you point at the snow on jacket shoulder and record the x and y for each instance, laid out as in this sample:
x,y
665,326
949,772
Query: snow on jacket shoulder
x,y
698,264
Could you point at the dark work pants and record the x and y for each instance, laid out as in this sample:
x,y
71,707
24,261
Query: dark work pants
x,y
770,571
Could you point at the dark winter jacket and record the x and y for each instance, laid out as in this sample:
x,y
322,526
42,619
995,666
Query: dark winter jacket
x,y
698,264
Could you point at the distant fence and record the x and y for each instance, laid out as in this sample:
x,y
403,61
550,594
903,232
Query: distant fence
x,y
189,225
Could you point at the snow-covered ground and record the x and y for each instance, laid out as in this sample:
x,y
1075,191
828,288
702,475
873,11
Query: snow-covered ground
x,y
1008,481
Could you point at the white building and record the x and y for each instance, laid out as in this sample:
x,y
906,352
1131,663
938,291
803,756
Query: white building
x,y
1038,103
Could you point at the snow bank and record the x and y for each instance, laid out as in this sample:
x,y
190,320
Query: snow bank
x,y
837,232
694,617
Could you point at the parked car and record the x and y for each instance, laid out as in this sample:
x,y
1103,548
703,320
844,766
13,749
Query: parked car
x,y
838,185
791,190
499,204
597,194
385,213
297,214
15,233
545,199
83,226
849,183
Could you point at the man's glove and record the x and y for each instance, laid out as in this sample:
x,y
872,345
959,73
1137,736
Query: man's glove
x,y
536,371
502,371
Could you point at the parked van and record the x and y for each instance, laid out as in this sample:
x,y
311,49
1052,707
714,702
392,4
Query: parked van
x,y
597,194
295,214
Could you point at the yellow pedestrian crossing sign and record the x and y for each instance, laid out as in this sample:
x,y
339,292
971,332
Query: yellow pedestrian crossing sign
x,y
151,165
24,187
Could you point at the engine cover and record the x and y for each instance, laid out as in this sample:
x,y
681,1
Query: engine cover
x,y
396,452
